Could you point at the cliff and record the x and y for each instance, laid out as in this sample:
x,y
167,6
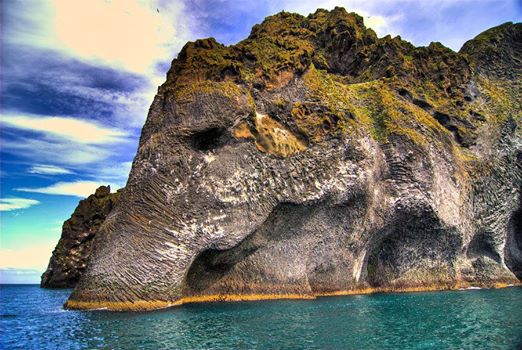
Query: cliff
x,y
314,158
71,255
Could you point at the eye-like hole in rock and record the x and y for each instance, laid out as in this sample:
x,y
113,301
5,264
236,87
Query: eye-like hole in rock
x,y
513,249
414,252
210,139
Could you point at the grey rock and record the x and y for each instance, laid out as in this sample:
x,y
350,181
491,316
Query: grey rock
x,y
279,178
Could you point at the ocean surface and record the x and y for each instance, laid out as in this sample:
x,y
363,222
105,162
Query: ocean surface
x,y
33,318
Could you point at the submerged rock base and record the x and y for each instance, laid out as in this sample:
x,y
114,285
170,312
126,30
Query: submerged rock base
x,y
159,304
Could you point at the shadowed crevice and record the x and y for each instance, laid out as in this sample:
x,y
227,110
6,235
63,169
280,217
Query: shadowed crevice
x,y
210,139
483,244
212,267
298,249
513,249
418,251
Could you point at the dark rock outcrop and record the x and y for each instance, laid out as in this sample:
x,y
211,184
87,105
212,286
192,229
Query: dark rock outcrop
x,y
71,255
314,158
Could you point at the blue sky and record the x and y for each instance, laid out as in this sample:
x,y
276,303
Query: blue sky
x,y
77,79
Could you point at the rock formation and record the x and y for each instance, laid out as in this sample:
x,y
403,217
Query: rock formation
x,y
71,255
315,158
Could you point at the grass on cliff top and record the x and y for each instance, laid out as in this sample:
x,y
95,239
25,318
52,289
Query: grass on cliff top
x,y
375,107
499,100
284,42
279,44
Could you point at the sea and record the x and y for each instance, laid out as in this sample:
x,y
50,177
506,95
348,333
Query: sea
x,y
33,318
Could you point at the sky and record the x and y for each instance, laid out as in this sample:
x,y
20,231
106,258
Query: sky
x,y
77,79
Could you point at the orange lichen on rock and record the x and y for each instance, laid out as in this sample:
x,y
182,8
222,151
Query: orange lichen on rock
x,y
242,131
146,305
270,136
140,305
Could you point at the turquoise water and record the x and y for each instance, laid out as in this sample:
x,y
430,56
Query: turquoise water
x,y
33,318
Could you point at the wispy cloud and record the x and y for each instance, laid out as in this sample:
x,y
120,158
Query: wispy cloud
x,y
38,81
56,62
78,188
9,204
77,142
116,173
70,153
76,130
28,256
48,170
128,34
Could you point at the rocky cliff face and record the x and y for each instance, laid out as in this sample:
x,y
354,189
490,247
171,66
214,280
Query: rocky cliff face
x,y
314,158
71,255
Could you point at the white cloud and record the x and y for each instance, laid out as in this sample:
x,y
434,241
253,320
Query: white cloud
x,y
78,188
118,172
58,151
31,256
382,25
128,108
16,271
76,130
114,174
125,34
49,170
130,34
8,204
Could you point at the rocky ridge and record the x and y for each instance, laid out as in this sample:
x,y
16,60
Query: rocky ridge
x,y
314,158
71,255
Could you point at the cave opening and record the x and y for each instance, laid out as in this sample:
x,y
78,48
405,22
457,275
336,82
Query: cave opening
x,y
483,244
215,269
297,249
416,252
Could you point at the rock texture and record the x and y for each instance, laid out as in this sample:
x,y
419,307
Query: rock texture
x,y
315,158
71,255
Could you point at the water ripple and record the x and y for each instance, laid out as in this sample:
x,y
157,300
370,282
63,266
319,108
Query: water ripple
x,y
33,318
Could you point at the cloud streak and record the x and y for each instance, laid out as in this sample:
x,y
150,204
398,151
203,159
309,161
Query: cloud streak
x,y
78,188
71,154
48,170
9,204
38,81
76,130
